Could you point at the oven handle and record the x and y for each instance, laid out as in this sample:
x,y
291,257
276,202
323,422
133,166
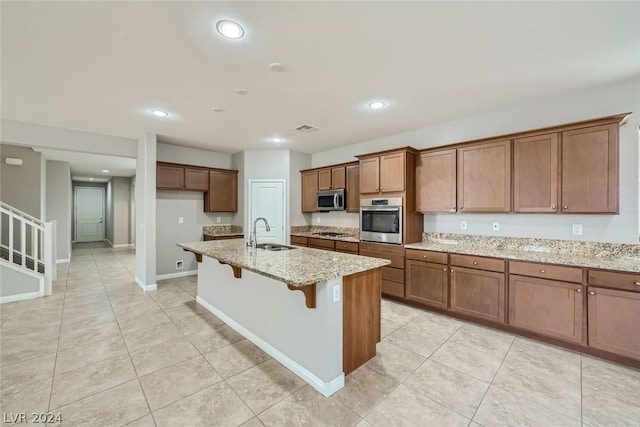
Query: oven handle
x,y
368,209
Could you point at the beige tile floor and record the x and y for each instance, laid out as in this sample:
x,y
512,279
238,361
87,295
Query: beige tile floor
x,y
103,353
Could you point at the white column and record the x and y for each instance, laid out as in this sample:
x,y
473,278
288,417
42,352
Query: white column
x,y
146,212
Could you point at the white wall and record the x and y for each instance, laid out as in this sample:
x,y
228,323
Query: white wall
x,y
146,212
108,212
14,283
58,194
597,102
193,156
297,162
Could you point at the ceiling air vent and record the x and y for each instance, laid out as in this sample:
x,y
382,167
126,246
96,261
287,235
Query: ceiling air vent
x,y
306,128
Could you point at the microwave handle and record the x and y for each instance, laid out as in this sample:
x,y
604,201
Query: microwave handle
x,y
335,200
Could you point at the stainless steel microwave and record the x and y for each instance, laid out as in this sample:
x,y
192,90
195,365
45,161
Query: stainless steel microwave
x,y
331,200
381,220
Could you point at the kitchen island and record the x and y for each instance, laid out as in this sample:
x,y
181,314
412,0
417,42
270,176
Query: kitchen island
x,y
316,312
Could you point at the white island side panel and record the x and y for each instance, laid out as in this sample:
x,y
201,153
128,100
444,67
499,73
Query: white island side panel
x,y
307,341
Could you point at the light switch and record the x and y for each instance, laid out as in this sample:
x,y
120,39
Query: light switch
x,y
463,225
336,293
576,229
218,219
180,220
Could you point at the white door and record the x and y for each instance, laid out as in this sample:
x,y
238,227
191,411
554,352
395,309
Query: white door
x,y
266,199
89,214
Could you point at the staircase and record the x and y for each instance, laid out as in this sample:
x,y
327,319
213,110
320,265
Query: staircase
x,y
27,246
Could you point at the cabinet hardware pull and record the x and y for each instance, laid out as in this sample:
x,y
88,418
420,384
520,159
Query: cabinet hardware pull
x,y
592,293
636,283
453,207
553,207
424,256
541,271
578,290
566,207
452,270
475,262
445,269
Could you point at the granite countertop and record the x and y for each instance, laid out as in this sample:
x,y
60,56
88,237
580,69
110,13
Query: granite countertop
x,y
296,267
351,238
630,264
223,230
218,233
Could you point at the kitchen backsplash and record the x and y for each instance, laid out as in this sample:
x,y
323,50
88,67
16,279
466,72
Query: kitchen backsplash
x,y
221,229
572,247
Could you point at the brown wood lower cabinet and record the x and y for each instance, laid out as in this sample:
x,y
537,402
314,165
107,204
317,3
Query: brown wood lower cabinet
x,y
427,283
208,237
548,307
326,244
299,241
614,317
478,293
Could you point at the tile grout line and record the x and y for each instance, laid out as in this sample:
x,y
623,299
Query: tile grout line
x,y
55,363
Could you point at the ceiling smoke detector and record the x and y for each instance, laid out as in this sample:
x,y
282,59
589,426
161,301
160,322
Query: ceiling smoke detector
x,y
306,128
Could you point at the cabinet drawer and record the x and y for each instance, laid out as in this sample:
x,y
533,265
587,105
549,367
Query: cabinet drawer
x,y
346,246
228,237
429,256
321,243
207,237
480,263
397,261
618,280
380,247
393,274
298,240
393,288
546,271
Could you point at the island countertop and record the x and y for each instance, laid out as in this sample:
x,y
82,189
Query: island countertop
x,y
296,267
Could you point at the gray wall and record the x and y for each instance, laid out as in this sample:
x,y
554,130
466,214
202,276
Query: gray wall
x,y
21,185
596,102
59,199
297,162
121,211
237,162
171,205
16,283
108,212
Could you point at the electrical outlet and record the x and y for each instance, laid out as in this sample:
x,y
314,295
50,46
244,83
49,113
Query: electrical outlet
x,y
336,293
180,220
218,219
179,265
496,226
463,225
318,220
576,229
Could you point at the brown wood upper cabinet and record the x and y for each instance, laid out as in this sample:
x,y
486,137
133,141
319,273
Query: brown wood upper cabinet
x,y
180,177
484,177
436,181
331,178
353,188
223,191
309,190
535,173
590,170
383,174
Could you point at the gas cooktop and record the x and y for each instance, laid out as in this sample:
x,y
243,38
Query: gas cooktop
x,y
330,234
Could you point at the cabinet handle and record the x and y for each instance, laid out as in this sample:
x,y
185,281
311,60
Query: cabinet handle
x,y
553,207
541,271
566,207
381,189
636,283
453,208
424,256
475,262
592,293
578,290
445,269
377,189
452,270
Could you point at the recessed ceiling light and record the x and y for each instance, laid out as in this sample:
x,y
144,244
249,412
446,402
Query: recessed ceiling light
x,y
276,140
376,105
105,171
276,66
230,29
217,109
241,91
159,113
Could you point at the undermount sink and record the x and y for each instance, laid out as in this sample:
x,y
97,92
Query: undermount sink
x,y
273,247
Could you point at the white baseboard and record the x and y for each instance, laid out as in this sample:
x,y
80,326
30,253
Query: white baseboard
x,y
144,287
176,275
326,388
109,242
125,245
63,260
21,297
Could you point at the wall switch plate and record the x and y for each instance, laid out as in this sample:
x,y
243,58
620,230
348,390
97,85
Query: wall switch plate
x,y
179,265
576,229
463,225
496,226
218,219
318,221
336,293
180,220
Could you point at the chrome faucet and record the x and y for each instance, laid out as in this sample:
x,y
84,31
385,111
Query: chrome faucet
x,y
253,241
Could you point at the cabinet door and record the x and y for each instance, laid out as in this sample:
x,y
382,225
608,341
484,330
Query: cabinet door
x,y
324,179
370,175
169,177
309,190
353,188
546,306
478,293
590,170
223,192
196,179
436,182
614,317
484,177
535,174
427,283
338,178
392,172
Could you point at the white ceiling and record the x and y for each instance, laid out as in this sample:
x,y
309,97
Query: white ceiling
x,y
85,165
101,66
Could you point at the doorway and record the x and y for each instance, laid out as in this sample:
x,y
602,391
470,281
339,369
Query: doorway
x,y
89,214
266,199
